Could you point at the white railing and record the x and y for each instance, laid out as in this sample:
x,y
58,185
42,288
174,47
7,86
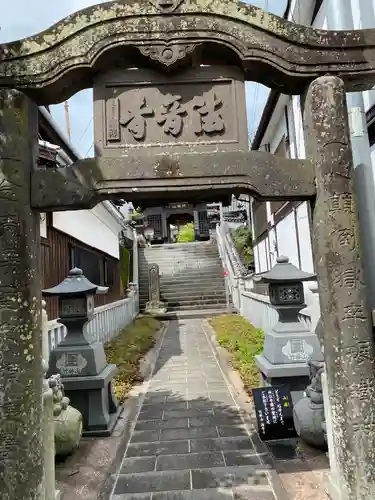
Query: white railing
x,y
106,324
235,270
254,306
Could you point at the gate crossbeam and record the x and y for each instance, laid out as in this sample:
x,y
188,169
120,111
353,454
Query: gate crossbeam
x,y
206,176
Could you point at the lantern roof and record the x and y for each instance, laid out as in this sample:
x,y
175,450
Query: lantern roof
x,y
283,272
75,283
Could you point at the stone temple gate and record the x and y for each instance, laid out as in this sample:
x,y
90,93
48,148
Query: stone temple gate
x,y
168,79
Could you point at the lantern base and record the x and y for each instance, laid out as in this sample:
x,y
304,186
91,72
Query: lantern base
x,y
82,360
154,308
291,343
94,398
295,375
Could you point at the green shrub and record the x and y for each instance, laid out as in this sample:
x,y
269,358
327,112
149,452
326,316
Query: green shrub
x,y
244,245
243,341
186,234
126,351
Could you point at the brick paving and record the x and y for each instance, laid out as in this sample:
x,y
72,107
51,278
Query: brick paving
x,y
190,441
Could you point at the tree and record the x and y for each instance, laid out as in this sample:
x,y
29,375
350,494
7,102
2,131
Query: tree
x,y
186,234
244,244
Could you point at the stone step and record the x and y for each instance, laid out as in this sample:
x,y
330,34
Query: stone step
x,y
197,479
180,248
183,266
192,294
171,256
178,262
192,244
179,299
187,284
189,292
197,307
192,313
178,255
203,286
191,275
197,304
193,271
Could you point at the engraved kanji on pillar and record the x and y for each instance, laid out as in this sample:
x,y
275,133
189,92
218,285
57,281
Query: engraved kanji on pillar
x,y
345,324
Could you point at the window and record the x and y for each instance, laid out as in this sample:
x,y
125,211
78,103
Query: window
x,y
89,262
108,268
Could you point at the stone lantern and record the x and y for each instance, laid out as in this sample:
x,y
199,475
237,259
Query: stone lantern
x,y
81,362
289,345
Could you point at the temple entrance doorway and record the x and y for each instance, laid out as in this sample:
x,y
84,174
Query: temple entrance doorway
x,y
177,222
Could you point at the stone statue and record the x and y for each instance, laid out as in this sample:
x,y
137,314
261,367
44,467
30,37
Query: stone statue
x,y
67,420
308,412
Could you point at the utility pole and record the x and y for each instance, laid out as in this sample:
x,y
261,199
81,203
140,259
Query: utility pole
x,y
340,17
67,121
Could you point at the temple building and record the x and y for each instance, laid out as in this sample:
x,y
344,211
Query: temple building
x,y
167,220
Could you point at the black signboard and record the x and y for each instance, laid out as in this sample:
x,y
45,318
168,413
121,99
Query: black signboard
x,y
274,412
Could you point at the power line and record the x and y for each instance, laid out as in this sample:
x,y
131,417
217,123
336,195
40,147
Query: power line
x,y
89,150
80,139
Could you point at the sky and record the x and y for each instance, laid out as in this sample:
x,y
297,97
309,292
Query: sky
x,y
16,23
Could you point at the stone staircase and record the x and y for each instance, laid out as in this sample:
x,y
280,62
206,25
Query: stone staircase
x,y
192,276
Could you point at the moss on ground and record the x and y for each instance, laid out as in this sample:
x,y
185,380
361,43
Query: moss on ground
x,y
126,351
243,341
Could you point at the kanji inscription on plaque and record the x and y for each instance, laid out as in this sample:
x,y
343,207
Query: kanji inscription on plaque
x,y
204,109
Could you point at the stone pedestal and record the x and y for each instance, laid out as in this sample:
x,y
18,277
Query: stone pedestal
x,y
154,306
94,398
287,348
87,380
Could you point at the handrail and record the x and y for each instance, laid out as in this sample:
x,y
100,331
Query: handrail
x,y
238,267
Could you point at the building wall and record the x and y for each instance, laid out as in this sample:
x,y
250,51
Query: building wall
x,y
95,228
289,227
57,259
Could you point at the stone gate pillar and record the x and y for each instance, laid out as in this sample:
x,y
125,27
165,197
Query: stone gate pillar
x,y
21,374
346,327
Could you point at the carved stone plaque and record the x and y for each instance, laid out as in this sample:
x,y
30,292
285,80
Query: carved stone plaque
x,y
297,350
71,364
154,283
144,111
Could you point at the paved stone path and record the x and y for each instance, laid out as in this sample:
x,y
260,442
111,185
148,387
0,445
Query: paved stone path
x,y
190,442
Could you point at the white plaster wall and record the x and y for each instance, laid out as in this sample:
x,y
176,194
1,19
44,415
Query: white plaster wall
x,y
304,236
43,225
287,238
263,261
96,228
